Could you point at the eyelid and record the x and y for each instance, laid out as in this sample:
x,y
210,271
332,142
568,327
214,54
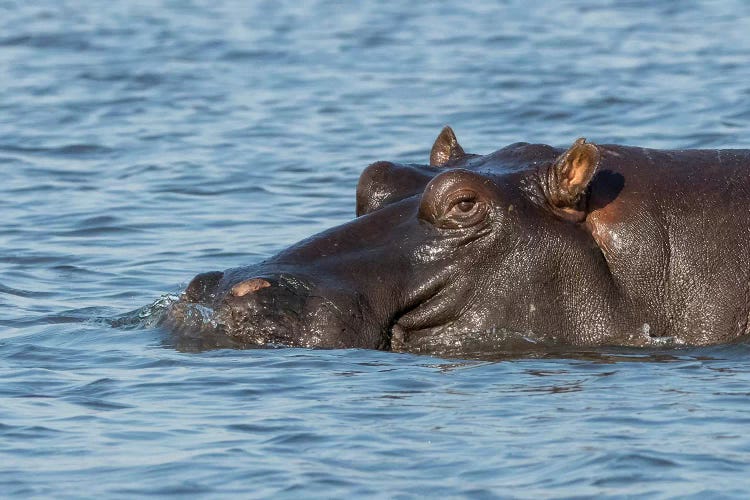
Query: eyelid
x,y
454,218
461,196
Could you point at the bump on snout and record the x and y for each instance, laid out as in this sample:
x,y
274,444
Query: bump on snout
x,y
249,286
203,287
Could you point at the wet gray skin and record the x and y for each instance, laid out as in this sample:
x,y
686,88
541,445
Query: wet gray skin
x,y
593,245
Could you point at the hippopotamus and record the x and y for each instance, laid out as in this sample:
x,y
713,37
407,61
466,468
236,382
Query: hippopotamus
x,y
591,245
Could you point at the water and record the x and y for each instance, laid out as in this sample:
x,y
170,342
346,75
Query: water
x,y
144,142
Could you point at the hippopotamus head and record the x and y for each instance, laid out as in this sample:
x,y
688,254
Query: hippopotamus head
x,y
467,245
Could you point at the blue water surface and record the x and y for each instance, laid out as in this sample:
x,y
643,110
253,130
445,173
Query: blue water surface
x,y
142,142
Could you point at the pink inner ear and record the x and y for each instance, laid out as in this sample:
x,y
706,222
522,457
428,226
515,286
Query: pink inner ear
x,y
579,170
581,164
568,177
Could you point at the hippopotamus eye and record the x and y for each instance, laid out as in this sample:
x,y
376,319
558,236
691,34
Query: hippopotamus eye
x,y
465,208
456,199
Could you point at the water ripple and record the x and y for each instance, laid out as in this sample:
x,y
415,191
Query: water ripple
x,y
145,142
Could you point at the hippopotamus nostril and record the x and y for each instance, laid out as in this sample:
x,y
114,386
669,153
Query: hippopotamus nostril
x,y
203,287
249,286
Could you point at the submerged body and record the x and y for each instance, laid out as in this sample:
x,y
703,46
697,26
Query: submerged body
x,y
597,244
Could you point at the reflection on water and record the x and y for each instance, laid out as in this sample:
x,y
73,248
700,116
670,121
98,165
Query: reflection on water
x,y
145,142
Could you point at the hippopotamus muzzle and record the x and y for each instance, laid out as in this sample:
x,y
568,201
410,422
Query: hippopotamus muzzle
x,y
274,309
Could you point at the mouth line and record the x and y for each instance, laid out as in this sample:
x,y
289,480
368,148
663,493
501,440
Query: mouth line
x,y
403,332
432,312
421,317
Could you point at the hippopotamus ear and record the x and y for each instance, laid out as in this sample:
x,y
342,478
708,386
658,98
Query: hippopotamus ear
x,y
446,148
569,176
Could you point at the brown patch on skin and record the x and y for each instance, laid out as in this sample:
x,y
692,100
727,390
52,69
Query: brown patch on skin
x,y
249,286
599,223
601,236
604,205
606,211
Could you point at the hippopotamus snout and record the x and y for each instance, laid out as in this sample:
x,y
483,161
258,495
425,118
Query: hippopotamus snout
x,y
267,310
280,308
